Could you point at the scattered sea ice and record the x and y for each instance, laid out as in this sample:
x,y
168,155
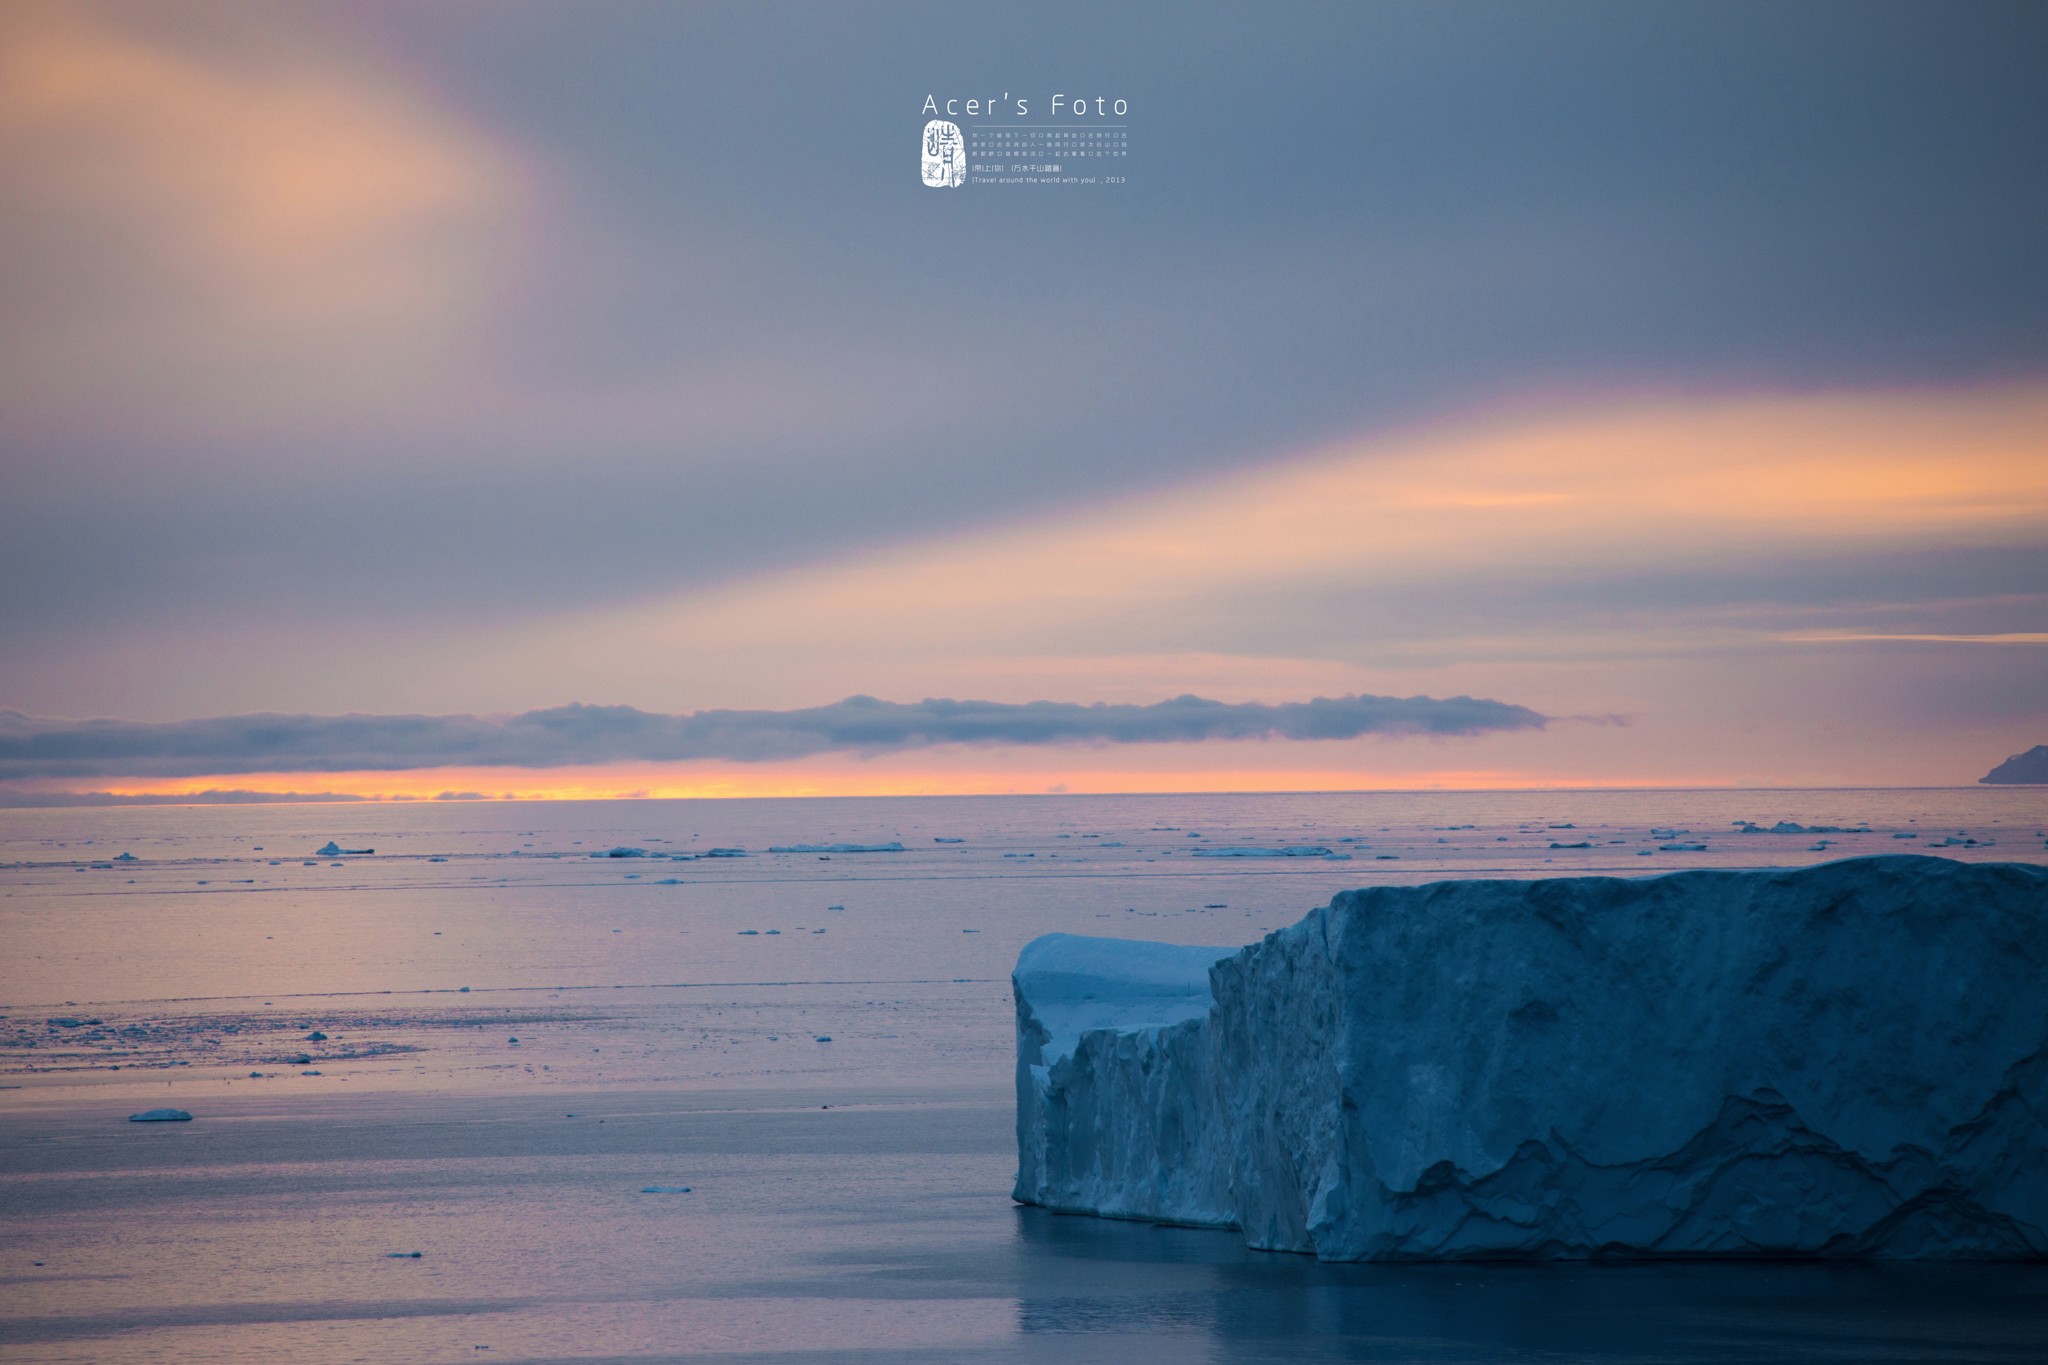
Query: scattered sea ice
x,y
1290,851
891,847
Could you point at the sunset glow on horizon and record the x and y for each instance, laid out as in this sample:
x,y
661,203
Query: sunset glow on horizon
x,y
354,373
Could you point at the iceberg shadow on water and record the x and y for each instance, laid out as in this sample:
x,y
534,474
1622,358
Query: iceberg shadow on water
x,y
1848,1060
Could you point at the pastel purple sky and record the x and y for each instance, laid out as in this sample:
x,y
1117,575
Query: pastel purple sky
x,y
1677,374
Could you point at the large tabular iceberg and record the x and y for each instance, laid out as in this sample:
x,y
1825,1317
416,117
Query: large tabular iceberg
x,y
1844,1060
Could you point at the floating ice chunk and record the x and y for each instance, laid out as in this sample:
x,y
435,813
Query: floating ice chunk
x,y
1789,827
334,850
1583,843
622,851
1831,1061
940,839
664,1189
1290,851
723,853
837,848
160,1116
124,857
1681,848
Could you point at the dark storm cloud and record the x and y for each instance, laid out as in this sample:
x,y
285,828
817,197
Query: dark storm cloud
x,y
32,748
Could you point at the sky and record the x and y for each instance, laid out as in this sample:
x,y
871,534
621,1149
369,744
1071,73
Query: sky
x,y
1565,394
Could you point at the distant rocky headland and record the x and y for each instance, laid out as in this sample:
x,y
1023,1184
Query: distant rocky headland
x,y
2021,769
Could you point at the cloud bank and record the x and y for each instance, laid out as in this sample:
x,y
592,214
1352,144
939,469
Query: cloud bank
x,y
38,748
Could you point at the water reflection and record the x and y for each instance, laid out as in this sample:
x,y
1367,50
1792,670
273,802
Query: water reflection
x,y
1166,1286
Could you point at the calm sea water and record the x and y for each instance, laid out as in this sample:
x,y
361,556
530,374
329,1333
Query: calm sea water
x,y
518,1038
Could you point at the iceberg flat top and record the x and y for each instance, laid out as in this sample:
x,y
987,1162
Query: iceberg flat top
x,y
1075,984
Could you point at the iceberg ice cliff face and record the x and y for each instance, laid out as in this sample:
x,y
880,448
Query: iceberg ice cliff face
x,y
1842,1060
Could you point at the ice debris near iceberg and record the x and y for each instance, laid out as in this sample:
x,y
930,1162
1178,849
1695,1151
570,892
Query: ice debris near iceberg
x,y
1842,1060
1290,851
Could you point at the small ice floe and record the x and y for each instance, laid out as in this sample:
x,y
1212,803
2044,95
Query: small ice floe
x,y
774,931
403,1255
1906,834
160,1116
622,851
334,850
1791,827
822,1038
316,1036
1668,833
723,853
1111,843
891,847
1819,846
1957,841
670,881
124,858
1681,848
664,1189
1290,851
1583,843
1387,857
746,932
942,839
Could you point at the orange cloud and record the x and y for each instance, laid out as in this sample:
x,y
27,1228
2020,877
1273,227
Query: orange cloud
x,y
1051,606
257,209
